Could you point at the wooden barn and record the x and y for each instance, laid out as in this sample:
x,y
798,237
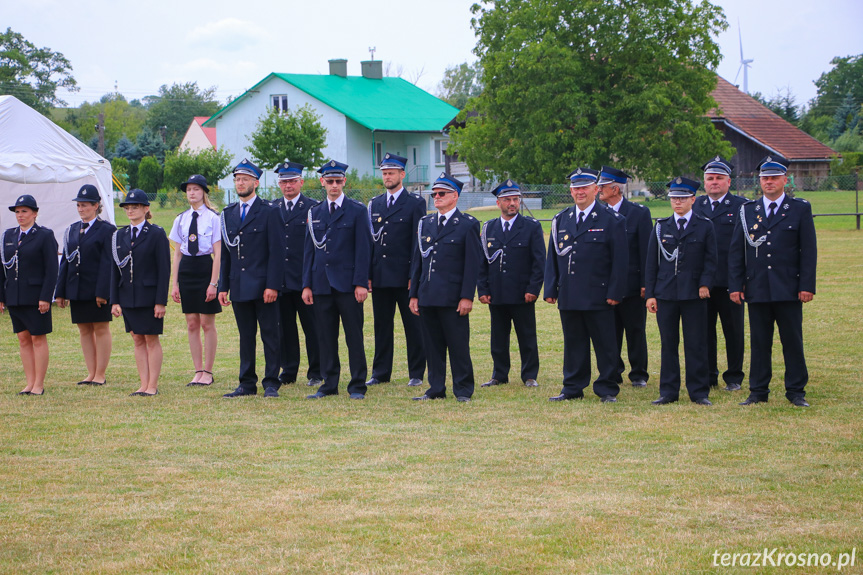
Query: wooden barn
x,y
756,132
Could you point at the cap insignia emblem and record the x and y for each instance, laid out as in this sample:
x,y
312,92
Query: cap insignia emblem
x,y
509,182
332,163
678,180
21,199
717,159
769,159
578,171
387,156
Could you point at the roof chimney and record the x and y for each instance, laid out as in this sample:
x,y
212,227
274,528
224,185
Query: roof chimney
x,y
372,69
339,67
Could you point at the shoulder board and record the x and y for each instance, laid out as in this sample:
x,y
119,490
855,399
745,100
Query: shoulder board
x,y
430,217
470,217
183,212
231,205
530,219
378,196
213,210
43,229
357,202
665,219
415,195
639,206
156,226
563,211
747,202
700,217
797,199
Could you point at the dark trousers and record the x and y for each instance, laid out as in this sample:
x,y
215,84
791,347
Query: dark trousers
x,y
328,310
580,328
693,314
788,316
290,306
444,330
731,315
249,315
384,301
523,317
630,317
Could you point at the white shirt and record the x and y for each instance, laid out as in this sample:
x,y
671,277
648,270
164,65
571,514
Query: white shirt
x,y
511,222
394,195
616,207
687,216
447,216
248,205
767,202
585,211
209,230
720,200
89,227
338,201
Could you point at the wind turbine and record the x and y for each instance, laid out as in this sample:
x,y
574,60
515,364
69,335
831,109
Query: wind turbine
x,y
744,63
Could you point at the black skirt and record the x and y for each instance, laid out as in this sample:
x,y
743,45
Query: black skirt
x,y
194,277
86,311
142,321
28,318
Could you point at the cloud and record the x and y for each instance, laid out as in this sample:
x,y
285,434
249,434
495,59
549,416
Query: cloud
x,y
229,34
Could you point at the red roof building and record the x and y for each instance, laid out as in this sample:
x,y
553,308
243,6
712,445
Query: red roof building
x,y
755,132
197,137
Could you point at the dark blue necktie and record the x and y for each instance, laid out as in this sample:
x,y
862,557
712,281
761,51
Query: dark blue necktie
x,y
243,212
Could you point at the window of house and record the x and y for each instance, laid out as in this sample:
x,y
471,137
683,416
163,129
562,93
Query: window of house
x,y
280,102
379,152
440,147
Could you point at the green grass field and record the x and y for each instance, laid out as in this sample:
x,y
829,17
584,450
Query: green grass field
x,y
96,481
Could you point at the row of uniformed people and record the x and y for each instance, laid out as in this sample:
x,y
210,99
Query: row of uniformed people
x,y
197,234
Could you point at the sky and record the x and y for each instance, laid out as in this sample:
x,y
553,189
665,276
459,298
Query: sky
x,y
138,46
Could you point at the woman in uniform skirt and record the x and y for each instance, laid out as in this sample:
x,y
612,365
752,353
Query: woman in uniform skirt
x,y
140,278
197,235
27,279
85,282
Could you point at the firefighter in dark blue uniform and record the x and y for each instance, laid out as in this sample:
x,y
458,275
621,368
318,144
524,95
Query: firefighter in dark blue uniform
x,y
771,265
443,284
294,209
27,279
721,207
394,216
630,316
251,270
681,264
585,274
336,267
510,278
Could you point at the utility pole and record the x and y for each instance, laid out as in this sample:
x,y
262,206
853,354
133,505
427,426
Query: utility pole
x,y
100,131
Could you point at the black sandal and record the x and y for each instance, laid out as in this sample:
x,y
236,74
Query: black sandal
x,y
194,383
212,378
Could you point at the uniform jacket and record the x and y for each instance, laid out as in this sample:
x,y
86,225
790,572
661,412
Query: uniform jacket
x,y
696,259
144,280
393,251
784,263
344,260
723,224
520,266
449,273
638,228
36,273
596,266
255,264
88,275
295,230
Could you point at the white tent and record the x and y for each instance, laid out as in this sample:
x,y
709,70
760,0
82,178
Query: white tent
x,y
39,158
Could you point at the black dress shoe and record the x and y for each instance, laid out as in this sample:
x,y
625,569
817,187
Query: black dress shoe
x,y
531,383
24,393
732,387
702,401
145,394
357,396
798,401
271,392
414,382
752,401
608,399
287,381
492,382
663,401
462,398
85,382
566,397
373,381
98,382
240,392
639,383
43,393
134,393
426,398
317,395
314,381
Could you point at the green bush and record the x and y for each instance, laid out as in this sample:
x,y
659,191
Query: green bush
x,y
149,175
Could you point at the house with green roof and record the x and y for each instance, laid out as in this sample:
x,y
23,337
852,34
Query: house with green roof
x,y
365,117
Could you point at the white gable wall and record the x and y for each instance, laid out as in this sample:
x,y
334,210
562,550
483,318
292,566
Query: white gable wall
x,y
234,128
195,139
